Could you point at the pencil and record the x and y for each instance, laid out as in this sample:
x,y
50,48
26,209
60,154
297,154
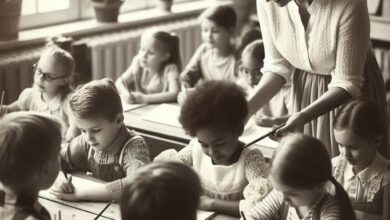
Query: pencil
x,y
2,100
101,213
264,136
243,216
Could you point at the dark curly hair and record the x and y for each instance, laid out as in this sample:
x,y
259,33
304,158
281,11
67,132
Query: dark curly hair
x,y
215,103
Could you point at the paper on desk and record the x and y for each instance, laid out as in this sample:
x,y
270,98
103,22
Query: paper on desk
x,y
164,114
127,106
202,215
252,131
94,207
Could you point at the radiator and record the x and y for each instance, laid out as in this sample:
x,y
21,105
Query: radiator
x,y
16,72
112,54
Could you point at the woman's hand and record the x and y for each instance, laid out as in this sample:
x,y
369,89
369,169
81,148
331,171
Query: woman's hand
x,y
294,124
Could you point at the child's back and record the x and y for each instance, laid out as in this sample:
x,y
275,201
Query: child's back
x,y
29,147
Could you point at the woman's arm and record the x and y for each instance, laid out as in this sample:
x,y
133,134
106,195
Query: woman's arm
x,y
269,85
331,99
122,83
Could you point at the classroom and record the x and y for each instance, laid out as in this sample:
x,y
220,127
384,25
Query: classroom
x,y
195,109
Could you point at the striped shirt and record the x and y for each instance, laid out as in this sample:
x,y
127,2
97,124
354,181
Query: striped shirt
x,y
271,207
78,157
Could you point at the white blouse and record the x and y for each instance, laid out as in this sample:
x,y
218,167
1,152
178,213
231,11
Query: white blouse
x,y
334,43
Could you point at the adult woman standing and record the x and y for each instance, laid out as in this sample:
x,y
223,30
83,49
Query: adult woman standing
x,y
325,45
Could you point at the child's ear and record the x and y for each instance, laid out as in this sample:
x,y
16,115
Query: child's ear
x,y
166,56
64,82
378,141
119,119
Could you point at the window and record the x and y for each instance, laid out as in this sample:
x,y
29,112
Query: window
x,y
38,13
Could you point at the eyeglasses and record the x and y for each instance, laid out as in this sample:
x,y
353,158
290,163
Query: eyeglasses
x,y
249,73
46,76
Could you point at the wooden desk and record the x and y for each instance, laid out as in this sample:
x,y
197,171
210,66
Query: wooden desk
x,y
163,136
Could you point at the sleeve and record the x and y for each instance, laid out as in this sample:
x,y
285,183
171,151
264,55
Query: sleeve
x,y
274,62
193,72
268,209
352,47
74,157
129,78
185,154
258,186
330,210
25,99
135,156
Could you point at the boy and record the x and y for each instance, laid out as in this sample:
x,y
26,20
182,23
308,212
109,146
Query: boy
x,y
215,58
162,190
29,147
105,147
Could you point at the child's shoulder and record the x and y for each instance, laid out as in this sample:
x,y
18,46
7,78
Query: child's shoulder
x,y
134,139
252,155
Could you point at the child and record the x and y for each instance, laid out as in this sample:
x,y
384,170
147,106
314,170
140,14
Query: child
x,y
51,91
153,75
278,109
364,173
215,58
29,147
105,147
162,190
232,176
300,169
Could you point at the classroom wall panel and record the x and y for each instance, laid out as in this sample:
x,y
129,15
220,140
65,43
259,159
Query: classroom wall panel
x,y
111,54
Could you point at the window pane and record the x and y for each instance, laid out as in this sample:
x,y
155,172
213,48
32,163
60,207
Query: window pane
x,y
50,5
29,7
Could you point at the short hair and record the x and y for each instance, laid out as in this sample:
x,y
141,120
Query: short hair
x,y
248,37
161,190
27,140
221,15
98,98
302,162
255,50
215,103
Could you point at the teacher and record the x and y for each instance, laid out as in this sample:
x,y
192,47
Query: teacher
x,y
323,45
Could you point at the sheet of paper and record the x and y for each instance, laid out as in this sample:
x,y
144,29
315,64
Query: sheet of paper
x,y
94,207
204,215
164,114
252,131
127,106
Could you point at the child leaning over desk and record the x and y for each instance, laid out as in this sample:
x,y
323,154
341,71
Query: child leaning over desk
x,y
233,177
105,147
153,76
29,147
360,168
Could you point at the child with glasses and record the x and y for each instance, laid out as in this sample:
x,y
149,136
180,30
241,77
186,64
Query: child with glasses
x,y
50,92
278,109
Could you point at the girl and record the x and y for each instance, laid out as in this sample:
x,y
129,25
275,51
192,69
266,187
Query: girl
x,y
233,178
51,90
360,168
278,109
153,75
300,169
